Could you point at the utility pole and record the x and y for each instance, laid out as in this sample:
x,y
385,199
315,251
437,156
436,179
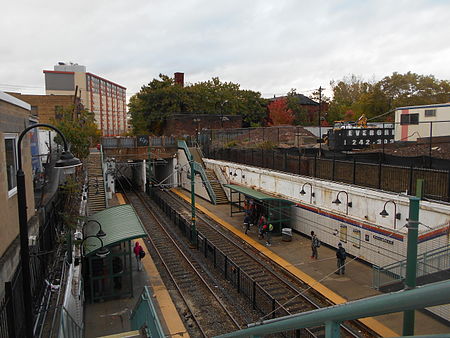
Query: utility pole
x,y
193,231
320,116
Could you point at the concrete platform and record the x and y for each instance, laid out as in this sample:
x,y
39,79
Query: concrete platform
x,y
295,256
112,318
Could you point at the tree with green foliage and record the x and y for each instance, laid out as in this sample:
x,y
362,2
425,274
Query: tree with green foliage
x,y
79,129
162,98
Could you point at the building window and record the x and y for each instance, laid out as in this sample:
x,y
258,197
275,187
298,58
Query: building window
x,y
430,112
34,110
409,119
11,162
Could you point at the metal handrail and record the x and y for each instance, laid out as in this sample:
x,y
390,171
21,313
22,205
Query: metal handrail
x,y
421,297
199,169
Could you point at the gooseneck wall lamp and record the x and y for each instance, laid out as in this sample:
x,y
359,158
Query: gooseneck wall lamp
x,y
338,201
303,192
397,216
67,162
102,252
100,232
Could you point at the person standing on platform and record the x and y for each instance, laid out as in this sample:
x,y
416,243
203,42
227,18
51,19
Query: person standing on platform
x,y
247,223
268,232
137,252
315,243
341,255
262,221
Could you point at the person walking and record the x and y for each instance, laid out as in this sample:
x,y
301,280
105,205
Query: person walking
x,y
138,250
341,255
315,243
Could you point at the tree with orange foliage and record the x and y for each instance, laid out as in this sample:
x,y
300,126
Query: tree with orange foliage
x,y
279,114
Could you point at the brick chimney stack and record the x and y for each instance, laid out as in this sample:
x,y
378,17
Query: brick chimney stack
x,y
179,78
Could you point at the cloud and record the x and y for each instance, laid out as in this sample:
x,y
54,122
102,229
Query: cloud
x,y
265,46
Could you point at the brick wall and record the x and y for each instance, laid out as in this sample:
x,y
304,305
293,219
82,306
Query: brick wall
x,y
190,124
46,104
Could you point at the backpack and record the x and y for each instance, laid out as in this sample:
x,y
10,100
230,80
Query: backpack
x,y
342,254
270,227
141,253
316,242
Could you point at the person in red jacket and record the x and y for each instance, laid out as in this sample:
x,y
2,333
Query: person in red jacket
x,y
137,252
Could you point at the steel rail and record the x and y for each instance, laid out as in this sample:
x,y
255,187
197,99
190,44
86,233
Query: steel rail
x,y
194,269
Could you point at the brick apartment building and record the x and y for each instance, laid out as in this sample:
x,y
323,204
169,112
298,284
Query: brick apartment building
x,y
106,99
48,107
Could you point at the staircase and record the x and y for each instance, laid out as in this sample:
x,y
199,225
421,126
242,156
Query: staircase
x,y
96,186
221,197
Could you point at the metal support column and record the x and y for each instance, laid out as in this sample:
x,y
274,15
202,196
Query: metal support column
x,y
411,261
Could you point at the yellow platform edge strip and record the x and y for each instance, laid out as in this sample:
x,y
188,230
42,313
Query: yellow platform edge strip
x,y
169,312
370,322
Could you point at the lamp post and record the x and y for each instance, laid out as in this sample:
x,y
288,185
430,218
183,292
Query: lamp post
x,y
397,216
338,201
303,192
102,252
221,111
67,162
100,232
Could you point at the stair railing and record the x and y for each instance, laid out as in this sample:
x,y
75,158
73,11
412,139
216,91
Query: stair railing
x,y
200,170
435,260
144,315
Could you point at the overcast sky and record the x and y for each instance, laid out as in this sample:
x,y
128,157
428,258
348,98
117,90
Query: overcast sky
x,y
266,46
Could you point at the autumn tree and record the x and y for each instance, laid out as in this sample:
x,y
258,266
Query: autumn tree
x,y
79,129
376,98
279,113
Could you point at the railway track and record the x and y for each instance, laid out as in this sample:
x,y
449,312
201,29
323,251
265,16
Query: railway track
x,y
208,315
287,294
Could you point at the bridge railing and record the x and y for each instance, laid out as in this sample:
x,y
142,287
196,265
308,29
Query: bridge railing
x,y
138,141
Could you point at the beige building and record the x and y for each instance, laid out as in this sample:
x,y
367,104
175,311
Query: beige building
x,y
106,99
14,118
415,122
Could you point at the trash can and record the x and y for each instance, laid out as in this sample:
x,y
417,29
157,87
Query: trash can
x,y
286,234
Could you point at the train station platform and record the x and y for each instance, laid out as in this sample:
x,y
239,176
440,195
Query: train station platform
x,y
112,318
295,256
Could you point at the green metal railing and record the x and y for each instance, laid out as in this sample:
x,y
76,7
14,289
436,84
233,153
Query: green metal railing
x,y
144,316
429,262
68,326
199,169
418,298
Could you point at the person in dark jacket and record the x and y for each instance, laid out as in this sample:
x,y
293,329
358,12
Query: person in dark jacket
x,y
341,255
315,243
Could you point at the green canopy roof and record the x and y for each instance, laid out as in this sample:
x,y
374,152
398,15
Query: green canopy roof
x,y
120,223
257,195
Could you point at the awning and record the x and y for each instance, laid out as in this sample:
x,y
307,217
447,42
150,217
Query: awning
x,y
257,195
120,223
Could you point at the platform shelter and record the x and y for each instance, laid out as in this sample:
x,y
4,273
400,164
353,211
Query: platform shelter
x,y
110,277
277,210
